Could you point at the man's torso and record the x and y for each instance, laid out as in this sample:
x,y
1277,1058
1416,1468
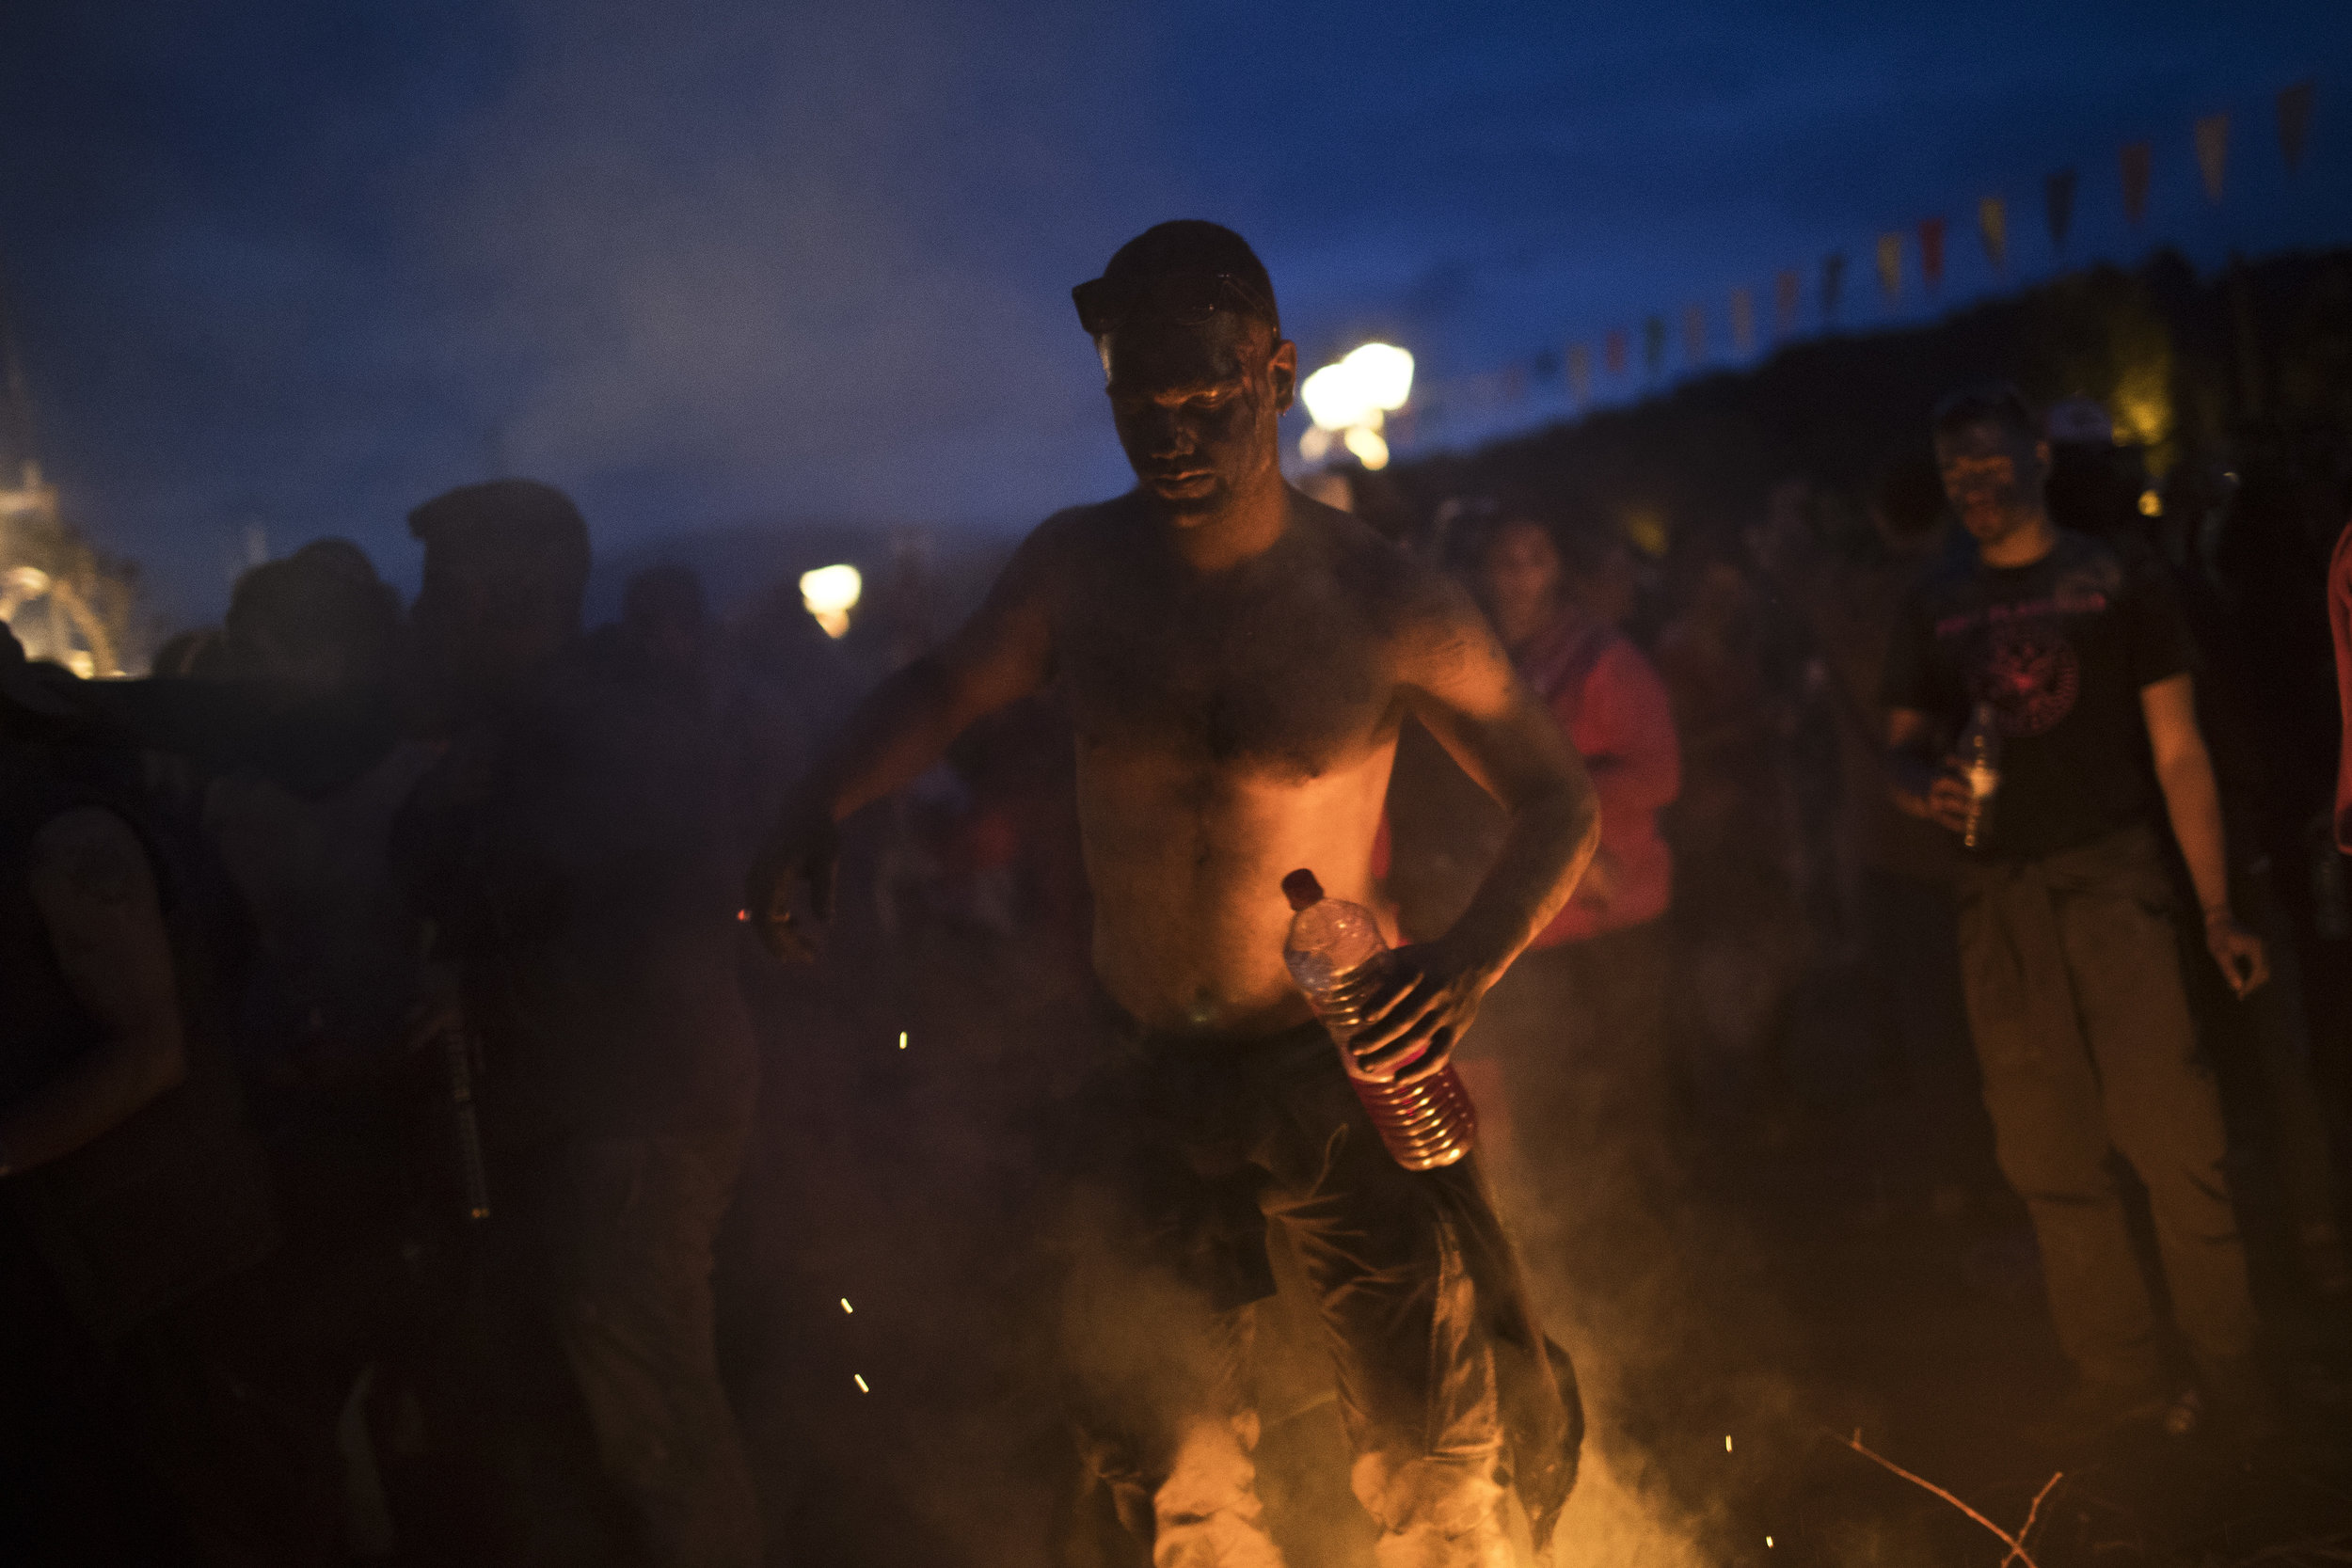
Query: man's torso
x,y
1231,729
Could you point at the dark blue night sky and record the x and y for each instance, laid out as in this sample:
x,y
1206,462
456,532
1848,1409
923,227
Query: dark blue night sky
x,y
307,265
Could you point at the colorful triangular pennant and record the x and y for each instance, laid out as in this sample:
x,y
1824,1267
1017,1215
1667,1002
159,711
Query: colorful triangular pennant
x,y
1742,319
2135,160
1993,223
1891,265
1784,291
1615,349
1579,374
1931,251
2213,153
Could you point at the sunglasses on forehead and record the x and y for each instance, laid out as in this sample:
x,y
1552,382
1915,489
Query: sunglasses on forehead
x,y
1182,299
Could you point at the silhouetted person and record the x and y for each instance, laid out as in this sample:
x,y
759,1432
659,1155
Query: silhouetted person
x,y
1898,868
1580,1022
134,1207
2067,950
1739,931
1236,659
572,848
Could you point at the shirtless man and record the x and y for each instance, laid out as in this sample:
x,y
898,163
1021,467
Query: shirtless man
x,y
1236,659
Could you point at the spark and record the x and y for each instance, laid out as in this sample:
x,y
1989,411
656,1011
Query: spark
x,y
1726,1442
860,1381
845,1304
902,1040
1768,1543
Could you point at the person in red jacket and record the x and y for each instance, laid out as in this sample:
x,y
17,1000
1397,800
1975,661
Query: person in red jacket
x,y
1580,1025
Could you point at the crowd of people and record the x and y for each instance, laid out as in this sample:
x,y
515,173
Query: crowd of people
x,y
383,1030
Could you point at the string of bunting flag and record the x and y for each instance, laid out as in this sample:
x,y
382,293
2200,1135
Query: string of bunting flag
x,y
1585,369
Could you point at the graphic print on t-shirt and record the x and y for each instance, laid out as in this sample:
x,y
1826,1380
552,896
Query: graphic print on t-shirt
x,y
2028,671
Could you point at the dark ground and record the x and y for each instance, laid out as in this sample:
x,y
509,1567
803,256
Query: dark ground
x,y
1813,1282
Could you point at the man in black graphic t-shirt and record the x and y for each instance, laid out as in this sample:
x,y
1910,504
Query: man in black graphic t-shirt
x,y
2067,950
2062,647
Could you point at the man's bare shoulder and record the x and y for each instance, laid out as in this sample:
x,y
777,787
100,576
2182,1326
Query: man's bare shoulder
x,y
1060,548
1414,606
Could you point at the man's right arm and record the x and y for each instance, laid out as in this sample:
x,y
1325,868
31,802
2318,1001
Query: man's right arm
x,y
1004,653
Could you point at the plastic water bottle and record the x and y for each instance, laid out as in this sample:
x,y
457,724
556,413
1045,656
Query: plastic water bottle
x,y
1980,765
1332,945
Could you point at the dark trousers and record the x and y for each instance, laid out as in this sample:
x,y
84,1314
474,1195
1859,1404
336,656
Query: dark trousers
x,y
2082,1028
1447,1390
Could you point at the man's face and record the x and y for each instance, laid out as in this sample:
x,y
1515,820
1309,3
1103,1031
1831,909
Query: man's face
x,y
1523,579
1195,407
1993,476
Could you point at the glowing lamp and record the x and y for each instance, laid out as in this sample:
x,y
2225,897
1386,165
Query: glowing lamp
x,y
1369,450
1333,399
1384,375
829,593
1373,380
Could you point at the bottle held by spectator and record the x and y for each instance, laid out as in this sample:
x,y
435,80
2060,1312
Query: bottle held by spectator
x,y
1335,945
1980,768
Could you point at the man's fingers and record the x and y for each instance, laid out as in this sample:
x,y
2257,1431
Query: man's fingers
x,y
1393,1020
1406,1032
1433,1060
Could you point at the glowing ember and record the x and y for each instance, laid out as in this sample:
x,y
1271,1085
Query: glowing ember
x,y
845,1304
860,1381
902,1040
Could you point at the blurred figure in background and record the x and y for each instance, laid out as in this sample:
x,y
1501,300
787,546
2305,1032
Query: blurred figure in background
x,y
573,850
304,828
1898,869
138,1416
2067,949
1739,935
665,620
299,824
1579,1024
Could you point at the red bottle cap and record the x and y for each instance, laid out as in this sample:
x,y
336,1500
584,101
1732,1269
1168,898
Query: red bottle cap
x,y
1301,889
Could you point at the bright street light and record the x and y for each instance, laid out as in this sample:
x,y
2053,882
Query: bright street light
x,y
829,593
1371,382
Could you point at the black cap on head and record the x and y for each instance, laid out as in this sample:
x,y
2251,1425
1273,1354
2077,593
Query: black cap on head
x,y
521,514
1185,269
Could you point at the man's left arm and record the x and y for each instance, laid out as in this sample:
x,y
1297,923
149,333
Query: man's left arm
x,y
2193,800
1458,682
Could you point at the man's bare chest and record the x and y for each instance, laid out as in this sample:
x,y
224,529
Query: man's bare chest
x,y
1291,685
